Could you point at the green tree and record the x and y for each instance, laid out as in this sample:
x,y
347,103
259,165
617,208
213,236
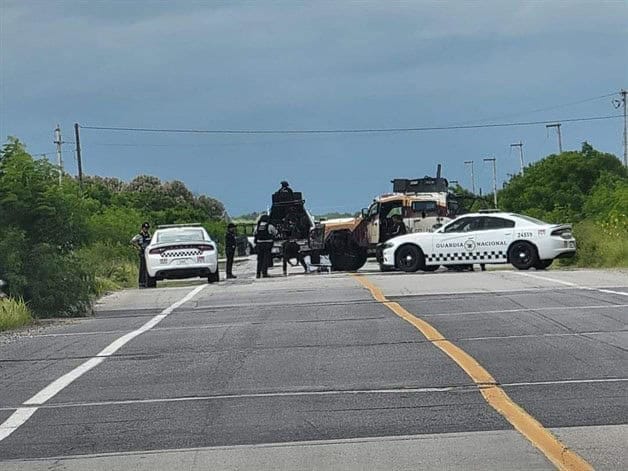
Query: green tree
x,y
558,186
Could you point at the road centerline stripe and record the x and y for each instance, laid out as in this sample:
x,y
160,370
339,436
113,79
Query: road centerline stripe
x,y
21,415
545,441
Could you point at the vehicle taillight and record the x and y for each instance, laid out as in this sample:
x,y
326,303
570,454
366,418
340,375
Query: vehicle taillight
x,y
205,248
156,251
564,233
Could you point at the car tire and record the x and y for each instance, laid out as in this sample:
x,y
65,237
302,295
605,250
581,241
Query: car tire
x,y
522,255
151,282
409,258
543,264
431,267
214,277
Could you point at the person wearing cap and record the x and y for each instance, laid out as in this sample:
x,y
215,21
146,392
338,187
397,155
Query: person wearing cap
x,y
140,242
285,188
230,248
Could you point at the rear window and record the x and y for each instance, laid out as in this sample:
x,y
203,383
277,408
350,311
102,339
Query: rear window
x,y
180,236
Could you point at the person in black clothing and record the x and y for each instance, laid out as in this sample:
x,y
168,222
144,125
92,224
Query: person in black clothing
x,y
141,241
264,237
230,248
398,227
285,189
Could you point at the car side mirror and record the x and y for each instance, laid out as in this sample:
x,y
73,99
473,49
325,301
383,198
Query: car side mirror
x,y
364,212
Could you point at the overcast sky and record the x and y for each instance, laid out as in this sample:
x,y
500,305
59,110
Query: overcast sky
x,y
308,65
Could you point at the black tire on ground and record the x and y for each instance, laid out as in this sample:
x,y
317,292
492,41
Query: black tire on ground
x,y
431,267
409,258
386,268
543,264
151,282
351,259
214,277
522,255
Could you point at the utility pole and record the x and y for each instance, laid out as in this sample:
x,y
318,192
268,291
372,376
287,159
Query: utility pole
x,y
467,162
520,146
617,104
560,140
58,143
492,159
78,154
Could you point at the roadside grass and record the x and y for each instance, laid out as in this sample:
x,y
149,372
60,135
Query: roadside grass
x,y
600,245
14,313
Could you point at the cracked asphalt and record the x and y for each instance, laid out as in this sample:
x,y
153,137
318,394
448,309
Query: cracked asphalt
x,y
310,372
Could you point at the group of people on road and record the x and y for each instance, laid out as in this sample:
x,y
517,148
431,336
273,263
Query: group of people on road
x,y
264,238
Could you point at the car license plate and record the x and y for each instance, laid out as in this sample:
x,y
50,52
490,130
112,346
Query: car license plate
x,y
182,261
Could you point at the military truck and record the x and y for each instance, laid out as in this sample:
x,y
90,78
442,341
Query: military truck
x,y
294,223
424,204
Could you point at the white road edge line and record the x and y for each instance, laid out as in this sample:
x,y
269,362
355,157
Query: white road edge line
x,y
573,285
21,415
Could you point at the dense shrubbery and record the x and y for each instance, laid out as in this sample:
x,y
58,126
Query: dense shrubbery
x,y
60,244
587,188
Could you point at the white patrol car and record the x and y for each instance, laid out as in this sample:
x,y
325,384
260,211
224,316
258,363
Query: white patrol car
x,y
480,238
181,251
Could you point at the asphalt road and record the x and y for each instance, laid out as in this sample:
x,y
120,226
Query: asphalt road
x,y
313,372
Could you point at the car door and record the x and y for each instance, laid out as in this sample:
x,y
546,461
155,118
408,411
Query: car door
x,y
372,223
452,244
493,239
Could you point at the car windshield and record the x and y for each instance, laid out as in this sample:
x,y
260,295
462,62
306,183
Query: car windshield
x,y
180,236
532,220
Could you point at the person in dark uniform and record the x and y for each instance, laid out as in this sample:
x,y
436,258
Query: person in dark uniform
x,y
141,241
230,248
265,234
285,189
398,227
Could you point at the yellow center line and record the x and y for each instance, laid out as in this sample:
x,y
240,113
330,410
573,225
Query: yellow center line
x,y
555,451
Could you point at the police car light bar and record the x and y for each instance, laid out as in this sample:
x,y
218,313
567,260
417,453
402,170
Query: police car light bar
x,y
166,226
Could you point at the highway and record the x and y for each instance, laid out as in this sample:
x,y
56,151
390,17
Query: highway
x,y
485,370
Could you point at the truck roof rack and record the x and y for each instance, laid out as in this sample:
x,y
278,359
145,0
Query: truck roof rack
x,y
169,226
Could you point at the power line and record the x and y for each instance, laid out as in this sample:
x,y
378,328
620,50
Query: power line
x,y
555,107
345,131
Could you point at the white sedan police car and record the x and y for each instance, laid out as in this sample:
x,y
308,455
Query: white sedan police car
x,y
480,238
181,251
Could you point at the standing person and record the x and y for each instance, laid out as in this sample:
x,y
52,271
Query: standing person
x,y
264,237
141,241
230,248
285,188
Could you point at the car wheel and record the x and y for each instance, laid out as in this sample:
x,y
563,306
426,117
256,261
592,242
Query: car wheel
x,y
409,258
151,282
431,267
522,255
214,277
543,264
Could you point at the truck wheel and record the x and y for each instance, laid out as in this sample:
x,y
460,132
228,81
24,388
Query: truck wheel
x,y
409,258
543,264
522,255
351,259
